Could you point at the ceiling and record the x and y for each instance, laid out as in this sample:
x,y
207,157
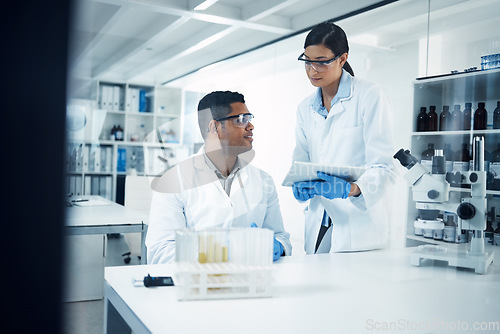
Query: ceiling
x,y
157,41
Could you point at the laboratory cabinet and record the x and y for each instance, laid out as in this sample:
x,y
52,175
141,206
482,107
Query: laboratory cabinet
x,y
123,129
446,92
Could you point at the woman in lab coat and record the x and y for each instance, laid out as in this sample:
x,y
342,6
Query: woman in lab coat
x,y
346,121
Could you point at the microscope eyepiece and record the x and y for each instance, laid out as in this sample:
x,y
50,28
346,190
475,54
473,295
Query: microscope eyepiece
x,y
405,158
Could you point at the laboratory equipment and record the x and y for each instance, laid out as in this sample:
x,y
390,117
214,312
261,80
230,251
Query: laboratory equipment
x,y
431,190
152,281
220,263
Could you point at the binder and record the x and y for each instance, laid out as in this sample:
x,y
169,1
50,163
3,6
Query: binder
x,y
78,185
109,187
95,185
109,159
103,158
143,102
87,186
97,158
121,163
79,158
102,186
85,158
134,99
116,98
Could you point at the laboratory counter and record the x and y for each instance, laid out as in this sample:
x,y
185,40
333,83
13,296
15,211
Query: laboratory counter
x,y
359,292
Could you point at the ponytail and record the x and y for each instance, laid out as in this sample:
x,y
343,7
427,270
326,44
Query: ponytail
x,y
348,68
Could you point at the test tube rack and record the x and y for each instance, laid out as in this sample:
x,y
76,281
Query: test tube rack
x,y
200,281
223,263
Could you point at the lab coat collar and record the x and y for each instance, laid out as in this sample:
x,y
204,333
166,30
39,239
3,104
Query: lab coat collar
x,y
203,162
344,93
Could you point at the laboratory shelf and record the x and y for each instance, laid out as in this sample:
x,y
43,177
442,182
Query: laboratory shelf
x,y
457,133
449,90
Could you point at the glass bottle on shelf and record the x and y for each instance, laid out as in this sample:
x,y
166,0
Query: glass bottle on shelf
x,y
467,116
480,117
457,120
496,116
421,119
119,133
432,119
444,119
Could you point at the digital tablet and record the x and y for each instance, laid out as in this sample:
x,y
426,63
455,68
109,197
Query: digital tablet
x,y
307,171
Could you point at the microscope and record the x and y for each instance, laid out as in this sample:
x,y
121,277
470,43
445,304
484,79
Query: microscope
x,y
431,192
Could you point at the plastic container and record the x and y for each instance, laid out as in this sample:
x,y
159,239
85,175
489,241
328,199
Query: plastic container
x,y
428,227
490,61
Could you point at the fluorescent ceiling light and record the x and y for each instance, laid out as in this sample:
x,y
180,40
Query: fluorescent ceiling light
x,y
205,4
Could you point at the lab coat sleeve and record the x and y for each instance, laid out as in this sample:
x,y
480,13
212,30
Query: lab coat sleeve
x,y
166,215
377,130
273,219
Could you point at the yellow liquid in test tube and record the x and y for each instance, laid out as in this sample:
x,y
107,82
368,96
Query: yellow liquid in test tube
x,y
224,254
202,255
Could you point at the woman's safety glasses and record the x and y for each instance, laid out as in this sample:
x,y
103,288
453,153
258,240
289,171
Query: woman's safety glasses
x,y
318,65
240,120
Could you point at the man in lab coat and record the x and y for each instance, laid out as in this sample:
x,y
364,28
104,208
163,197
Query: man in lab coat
x,y
216,187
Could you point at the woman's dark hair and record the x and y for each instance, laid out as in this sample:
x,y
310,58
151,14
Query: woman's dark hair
x,y
333,37
216,105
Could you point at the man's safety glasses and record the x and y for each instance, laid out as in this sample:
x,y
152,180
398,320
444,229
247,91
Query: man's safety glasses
x,y
318,65
240,120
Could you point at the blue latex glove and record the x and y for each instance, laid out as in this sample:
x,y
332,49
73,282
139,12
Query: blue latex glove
x,y
277,250
329,187
301,193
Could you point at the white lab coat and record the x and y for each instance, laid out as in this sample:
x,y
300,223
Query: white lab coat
x,y
202,202
356,132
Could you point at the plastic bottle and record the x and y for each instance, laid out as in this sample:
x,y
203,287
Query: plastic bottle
x,y
480,117
467,116
421,120
445,119
496,116
457,118
432,119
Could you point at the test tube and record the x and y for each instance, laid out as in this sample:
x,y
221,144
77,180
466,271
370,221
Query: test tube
x,y
202,247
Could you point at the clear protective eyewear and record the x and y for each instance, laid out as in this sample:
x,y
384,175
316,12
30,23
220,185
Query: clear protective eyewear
x,y
240,120
318,65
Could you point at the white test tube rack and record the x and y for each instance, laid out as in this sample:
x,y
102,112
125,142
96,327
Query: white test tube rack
x,y
243,271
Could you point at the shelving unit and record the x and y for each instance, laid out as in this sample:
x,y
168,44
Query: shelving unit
x,y
152,121
473,87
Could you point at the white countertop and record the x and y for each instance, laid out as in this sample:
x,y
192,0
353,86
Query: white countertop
x,y
328,293
98,211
